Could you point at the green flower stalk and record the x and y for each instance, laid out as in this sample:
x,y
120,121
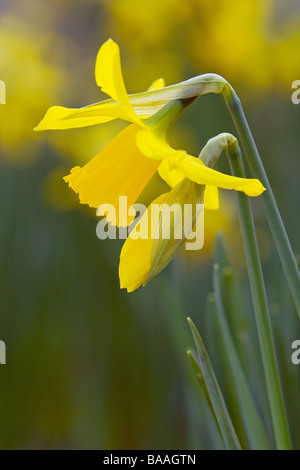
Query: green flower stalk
x,y
261,310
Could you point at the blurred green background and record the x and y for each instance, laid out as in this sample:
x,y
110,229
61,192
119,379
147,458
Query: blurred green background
x,y
88,365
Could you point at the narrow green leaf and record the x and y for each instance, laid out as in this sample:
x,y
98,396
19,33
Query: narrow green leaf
x,y
238,312
215,394
255,431
195,366
200,378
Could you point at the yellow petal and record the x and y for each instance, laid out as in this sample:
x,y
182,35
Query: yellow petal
x,y
119,169
135,262
196,171
136,256
157,84
211,197
59,117
142,259
108,74
171,175
193,168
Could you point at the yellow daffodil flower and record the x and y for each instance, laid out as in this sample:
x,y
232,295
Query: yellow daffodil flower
x,y
125,166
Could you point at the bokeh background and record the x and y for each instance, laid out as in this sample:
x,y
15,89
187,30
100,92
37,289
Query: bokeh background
x,y
88,365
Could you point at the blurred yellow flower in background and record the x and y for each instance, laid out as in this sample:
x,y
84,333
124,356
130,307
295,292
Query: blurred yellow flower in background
x,y
252,42
31,84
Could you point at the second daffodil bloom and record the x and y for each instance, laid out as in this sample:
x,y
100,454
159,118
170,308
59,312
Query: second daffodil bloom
x,y
125,166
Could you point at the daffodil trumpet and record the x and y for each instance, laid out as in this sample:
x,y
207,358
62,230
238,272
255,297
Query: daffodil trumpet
x,y
125,166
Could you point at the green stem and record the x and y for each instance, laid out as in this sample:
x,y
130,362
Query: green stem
x,y
277,227
260,307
